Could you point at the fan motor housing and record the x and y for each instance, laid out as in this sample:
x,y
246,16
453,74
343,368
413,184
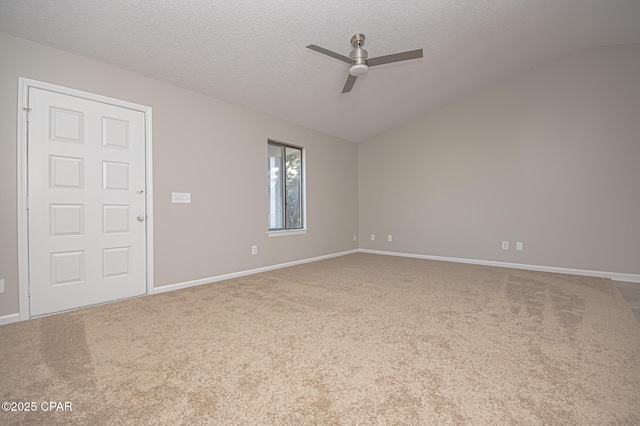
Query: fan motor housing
x,y
359,55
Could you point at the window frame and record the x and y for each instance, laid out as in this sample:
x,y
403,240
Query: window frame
x,y
278,232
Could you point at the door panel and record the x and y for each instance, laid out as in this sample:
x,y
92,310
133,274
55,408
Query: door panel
x,y
86,184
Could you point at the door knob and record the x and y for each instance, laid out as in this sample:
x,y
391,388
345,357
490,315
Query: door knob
x,y
140,217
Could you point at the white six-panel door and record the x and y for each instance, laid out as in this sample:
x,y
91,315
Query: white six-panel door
x,y
86,202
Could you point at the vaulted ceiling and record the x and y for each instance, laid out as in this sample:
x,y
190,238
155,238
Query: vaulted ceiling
x,y
252,52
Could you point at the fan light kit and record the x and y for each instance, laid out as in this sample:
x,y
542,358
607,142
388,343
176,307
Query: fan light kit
x,y
358,69
359,62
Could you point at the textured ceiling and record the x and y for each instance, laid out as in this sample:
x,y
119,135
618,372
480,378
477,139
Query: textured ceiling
x,y
253,53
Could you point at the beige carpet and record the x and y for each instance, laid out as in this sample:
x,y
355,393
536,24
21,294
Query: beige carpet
x,y
357,340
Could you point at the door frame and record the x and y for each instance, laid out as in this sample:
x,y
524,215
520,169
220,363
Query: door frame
x,y
23,217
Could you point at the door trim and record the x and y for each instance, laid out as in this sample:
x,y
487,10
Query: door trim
x,y
23,219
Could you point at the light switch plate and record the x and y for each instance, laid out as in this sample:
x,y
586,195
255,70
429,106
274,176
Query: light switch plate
x,y
181,197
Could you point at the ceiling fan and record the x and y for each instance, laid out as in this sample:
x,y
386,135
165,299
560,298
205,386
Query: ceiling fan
x,y
360,63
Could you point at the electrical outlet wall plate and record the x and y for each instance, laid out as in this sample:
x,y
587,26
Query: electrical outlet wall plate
x,y
181,197
505,245
1,286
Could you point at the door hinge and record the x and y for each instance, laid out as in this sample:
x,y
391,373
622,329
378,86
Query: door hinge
x,y
27,112
27,202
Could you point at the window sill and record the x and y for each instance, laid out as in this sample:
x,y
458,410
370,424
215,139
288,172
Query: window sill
x,y
286,232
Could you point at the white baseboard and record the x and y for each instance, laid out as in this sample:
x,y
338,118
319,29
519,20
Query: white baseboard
x,y
177,286
8,319
616,276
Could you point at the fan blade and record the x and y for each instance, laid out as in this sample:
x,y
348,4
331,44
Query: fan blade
x,y
396,57
351,80
329,53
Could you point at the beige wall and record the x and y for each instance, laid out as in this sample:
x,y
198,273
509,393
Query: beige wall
x,y
215,150
550,157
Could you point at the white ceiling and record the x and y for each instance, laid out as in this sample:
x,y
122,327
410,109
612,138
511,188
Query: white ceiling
x,y
252,52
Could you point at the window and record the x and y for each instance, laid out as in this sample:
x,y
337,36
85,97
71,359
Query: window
x,y
286,187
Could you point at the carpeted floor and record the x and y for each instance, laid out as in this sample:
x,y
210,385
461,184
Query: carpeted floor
x,y
358,340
